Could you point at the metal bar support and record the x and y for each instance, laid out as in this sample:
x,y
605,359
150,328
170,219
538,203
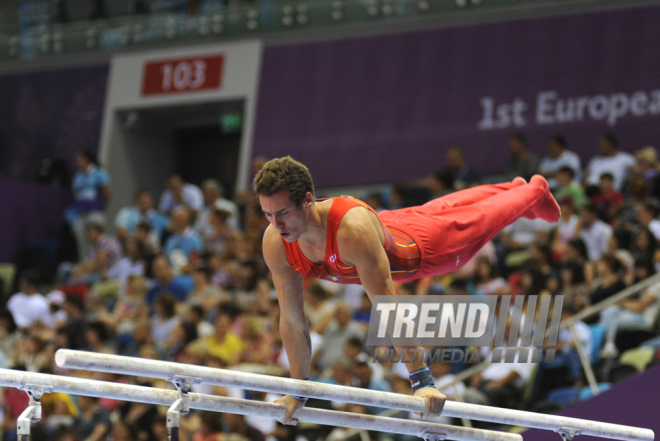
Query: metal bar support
x,y
32,413
181,406
568,433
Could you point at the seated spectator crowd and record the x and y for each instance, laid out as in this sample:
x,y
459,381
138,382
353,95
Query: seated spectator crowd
x,y
184,280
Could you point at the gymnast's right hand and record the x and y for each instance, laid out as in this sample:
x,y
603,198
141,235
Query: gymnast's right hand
x,y
291,405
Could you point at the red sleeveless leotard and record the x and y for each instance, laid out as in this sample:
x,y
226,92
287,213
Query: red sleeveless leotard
x,y
402,251
435,238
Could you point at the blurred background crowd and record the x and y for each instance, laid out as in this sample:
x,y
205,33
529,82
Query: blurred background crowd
x,y
180,276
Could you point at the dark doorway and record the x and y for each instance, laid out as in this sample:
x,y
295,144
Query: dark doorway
x,y
206,152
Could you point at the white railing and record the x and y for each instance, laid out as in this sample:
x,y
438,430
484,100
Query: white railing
x,y
181,401
224,377
570,324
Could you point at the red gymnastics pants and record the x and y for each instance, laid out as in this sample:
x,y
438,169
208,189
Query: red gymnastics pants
x,y
450,230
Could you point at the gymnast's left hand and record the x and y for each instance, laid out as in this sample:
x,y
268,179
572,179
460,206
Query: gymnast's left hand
x,y
292,405
435,401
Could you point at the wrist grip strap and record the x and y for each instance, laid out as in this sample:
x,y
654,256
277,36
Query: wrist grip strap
x,y
421,379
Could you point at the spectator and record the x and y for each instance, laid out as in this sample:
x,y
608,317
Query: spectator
x,y
648,166
221,235
204,293
567,187
10,336
365,380
250,292
236,425
255,221
163,321
183,333
647,214
517,238
643,246
398,197
576,250
196,317
220,270
140,341
165,282
566,228
503,383
98,338
362,313
522,162
609,270
609,160
335,336
462,174
32,354
185,245
595,232
150,241
532,281
317,304
573,286
541,257
214,200
558,156
122,431
128,218
629,312
93,422
106,252
74,327
488,282
91,192
257,342
28,307
354,352
608,200
210,427
341,374
224,344
64,433
130,308
131,265
57,316
375,201
618,245
180,193
440,184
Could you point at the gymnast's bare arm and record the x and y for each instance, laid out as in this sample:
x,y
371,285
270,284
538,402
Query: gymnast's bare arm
x,y
360,243
294,329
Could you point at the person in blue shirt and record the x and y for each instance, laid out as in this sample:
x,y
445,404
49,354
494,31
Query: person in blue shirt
x,y
185,245
142,212
91,192
166,283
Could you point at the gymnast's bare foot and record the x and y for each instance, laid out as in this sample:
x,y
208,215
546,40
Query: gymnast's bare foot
x,y
519,182
547,208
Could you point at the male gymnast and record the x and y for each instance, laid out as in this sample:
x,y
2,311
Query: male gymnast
x,y
342,239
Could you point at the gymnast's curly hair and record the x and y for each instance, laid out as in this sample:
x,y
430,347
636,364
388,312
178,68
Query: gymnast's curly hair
x,y
284,174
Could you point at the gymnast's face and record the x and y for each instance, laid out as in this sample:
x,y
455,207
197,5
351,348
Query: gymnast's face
x,y
285,216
